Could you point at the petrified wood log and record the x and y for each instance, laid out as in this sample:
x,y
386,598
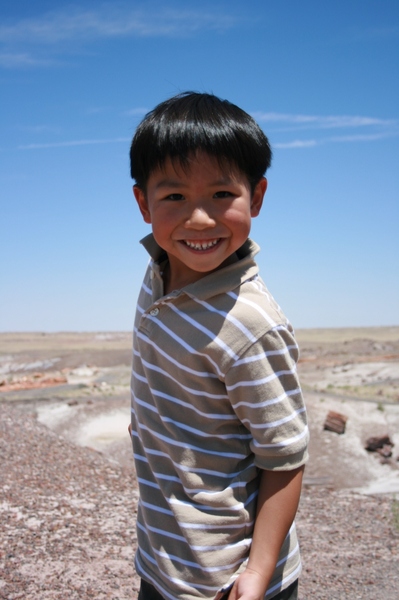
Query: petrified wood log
x,y
374,443
335,422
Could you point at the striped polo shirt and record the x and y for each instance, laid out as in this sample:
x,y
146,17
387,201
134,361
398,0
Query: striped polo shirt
x,y
215,398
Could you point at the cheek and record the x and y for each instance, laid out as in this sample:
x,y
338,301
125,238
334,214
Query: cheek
x,y
163,224
163,220
238,217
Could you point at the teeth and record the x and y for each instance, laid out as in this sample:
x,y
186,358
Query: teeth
x,y
201,245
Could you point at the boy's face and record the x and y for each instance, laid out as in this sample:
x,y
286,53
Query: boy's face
x,y
199,215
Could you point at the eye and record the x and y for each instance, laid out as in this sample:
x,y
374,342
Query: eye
x,y
174,197
223,194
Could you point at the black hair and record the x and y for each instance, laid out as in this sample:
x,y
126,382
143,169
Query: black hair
x,y
190,122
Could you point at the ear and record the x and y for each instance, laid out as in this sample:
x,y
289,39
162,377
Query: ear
x,y
257,197
142,203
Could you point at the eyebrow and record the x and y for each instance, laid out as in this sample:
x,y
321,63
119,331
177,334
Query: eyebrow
x,y
176,183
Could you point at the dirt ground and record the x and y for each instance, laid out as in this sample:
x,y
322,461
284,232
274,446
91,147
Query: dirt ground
x,y
69,494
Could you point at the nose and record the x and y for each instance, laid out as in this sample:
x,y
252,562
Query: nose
x,y
200,218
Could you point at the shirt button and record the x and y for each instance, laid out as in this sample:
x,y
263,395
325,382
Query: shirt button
x,y
154,312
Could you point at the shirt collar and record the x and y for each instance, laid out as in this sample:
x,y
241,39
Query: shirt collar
x,y
219,281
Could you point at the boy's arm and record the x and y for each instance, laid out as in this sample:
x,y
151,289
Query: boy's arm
x,y
279,493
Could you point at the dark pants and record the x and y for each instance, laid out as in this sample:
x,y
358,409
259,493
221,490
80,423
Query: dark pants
x,y
148,592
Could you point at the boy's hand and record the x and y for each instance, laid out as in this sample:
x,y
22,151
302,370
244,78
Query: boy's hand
x,y
250,585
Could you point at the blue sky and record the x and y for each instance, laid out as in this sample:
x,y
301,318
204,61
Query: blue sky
x,y
322,80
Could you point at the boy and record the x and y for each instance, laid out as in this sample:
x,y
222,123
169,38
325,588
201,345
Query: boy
x,y
218,422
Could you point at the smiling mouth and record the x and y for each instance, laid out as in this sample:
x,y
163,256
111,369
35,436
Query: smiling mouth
x,y
201,245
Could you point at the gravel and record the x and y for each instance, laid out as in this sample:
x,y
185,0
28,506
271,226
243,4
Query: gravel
x,y
68,525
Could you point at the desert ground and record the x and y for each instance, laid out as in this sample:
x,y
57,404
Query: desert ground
x,y
68,489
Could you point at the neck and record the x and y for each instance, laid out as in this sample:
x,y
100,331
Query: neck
x,y
174,281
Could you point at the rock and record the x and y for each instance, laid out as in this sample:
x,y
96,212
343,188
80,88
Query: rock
x,y
385,451
335,422
375,443
35,381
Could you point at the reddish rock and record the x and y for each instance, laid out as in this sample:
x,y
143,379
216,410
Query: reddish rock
x,y
35,381
335,422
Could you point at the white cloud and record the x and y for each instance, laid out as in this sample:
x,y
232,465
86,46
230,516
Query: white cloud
x,y
355,128
12,60
109,21
321,122
27,42
371,137
296,144
343,139
71,143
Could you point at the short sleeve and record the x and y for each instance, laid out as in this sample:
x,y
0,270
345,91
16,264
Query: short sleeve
x,y
265,393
